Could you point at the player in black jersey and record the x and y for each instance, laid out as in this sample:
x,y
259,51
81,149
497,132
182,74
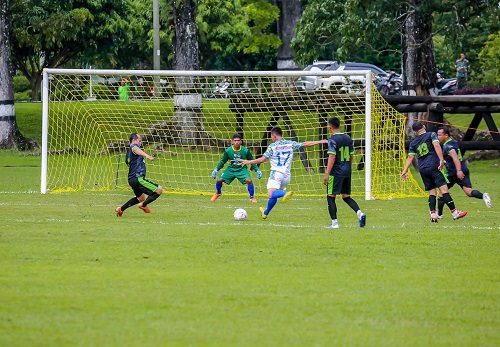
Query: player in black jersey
x,y
457,171
426,148
145,191
338,173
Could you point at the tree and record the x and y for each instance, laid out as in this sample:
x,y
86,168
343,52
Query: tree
x,y
53,33
10,136
237,34
186,42
344,27
290,12
488,58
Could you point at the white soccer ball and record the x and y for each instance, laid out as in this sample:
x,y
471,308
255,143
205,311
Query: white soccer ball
x,y
240,214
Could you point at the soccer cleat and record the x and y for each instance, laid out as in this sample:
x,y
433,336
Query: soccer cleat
x,y
459,214
253,200
145,209
287,196
440,216
215,197
362,220
333,225
119,211
487,200
262,214
435,217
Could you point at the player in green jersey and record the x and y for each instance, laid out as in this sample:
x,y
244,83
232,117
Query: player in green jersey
x,y
234,154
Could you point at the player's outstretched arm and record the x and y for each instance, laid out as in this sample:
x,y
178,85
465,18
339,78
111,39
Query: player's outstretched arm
x,y
138,151
313,143
254,161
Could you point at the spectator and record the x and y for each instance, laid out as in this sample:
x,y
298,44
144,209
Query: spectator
x,y
462,68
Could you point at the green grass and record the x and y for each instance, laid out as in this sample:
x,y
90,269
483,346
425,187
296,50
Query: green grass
x,y
72,273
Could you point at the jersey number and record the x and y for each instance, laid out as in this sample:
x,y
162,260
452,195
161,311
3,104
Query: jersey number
x,y
344,153
283,156
422,149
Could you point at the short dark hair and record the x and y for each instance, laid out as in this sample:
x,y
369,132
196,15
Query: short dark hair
x,y
277,131
417,126
237,136
133,136
334,122
445,130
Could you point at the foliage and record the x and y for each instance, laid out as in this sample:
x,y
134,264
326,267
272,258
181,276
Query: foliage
x,y
331,29
488,58
236,31
52,33
21,84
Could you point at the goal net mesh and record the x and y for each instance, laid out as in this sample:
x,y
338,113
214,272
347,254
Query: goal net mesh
x,y
187,122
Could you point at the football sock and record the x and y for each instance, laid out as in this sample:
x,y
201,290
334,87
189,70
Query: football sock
x,y
270,204
440,206
131,202
332,207
448,200
352,203
278,194
218,187
476,194
251,190
432,202
150,199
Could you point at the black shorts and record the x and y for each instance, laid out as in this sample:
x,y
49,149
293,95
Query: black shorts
x,y
140,186
338,185
432,178
465,182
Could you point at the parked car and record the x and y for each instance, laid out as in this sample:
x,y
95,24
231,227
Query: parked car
x,y
309,83
339,84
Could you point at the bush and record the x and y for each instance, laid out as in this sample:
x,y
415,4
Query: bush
x,y
23,96
21,84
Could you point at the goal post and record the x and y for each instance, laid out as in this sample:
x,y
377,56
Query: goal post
x,y
187,119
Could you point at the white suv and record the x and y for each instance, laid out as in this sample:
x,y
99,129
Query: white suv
x,y
339,84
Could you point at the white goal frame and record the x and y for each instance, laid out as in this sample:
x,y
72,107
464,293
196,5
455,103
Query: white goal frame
x,y
367,74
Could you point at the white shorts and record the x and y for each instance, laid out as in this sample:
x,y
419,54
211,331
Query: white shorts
x,y
278,180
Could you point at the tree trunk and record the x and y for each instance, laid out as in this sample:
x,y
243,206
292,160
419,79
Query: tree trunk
x,y
419,67
290,13
10,136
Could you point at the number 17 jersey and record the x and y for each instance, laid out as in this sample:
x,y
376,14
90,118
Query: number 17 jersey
x,y
280,155
342,147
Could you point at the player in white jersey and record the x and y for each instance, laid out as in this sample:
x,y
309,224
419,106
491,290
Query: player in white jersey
x,y
280,155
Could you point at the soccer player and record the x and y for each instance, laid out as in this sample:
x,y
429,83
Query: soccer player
x,y
338,173
280,154
456,170
234,154
425,146
145,191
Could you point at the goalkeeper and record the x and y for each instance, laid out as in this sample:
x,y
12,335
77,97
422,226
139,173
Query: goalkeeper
x,y
145,191
234,154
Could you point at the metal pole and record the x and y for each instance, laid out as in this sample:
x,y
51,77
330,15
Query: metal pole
x,y
156,46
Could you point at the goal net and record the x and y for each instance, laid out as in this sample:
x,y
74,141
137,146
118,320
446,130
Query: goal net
x,y
187,119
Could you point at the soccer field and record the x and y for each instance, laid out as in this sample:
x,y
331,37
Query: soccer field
x,y
73,274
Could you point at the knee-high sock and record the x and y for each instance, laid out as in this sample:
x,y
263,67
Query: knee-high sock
x,y
218,187
476,194
432,202
278,194
352,203
448,200
150,199
251,190
440,205
131,202
332,207
270,204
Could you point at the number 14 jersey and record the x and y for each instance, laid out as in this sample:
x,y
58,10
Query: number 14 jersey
x,y
342,147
